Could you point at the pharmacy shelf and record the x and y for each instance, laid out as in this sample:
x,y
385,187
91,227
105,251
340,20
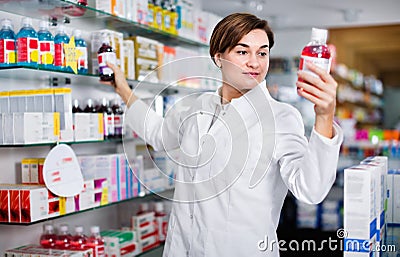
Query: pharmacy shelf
x,y
59,10
111,140
62,79
144,196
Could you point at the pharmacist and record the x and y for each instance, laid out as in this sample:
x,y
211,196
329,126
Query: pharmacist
x,y
241,149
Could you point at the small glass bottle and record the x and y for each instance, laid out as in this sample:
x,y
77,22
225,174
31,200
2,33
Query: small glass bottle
x,y
161,220
60,40
75,106
96,242
46,46
63,238
48,238
7,44
106,54
316,51
90,107
80,45
118,118
27,44
108,118
79,240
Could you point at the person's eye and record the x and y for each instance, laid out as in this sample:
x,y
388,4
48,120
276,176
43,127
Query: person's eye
x,y
242,52
263,54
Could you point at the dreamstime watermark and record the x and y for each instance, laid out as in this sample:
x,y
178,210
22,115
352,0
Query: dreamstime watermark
x,y
340,243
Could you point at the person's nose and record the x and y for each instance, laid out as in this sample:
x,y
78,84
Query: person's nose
x,y
252,62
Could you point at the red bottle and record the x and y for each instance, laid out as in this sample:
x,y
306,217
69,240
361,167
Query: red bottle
x,y
48,238
143,208
316,51
79,240
161,220
96,242
106,54
64,238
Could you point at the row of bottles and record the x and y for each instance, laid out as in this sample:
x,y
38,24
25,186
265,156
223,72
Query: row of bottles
x,y
113,114
39,49
78,241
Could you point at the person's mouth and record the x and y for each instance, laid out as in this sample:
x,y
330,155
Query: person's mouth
x,y
252,74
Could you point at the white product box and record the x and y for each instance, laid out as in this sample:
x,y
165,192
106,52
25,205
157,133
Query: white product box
x,y
67,205
88,126
143,220
137,11
88,166
51,126
30,171
63,105
17,101
86,197
114,7
106,167
129,55
8,128
44,100
360,209
4,102
121,243
145,70
1,129
149,243
146,48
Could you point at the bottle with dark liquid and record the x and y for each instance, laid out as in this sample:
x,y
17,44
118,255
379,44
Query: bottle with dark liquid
x,y
108,118
90,107
118,118
75,106
106,54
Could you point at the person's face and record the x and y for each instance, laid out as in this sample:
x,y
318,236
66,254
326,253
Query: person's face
x,y
246,65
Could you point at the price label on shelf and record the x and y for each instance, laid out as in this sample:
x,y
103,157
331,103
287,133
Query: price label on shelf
x,y
62,173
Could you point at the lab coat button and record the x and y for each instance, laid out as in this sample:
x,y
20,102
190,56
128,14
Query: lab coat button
x,y
187,253
191,216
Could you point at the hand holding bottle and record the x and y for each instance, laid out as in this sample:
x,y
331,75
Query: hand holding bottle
x,y
121,85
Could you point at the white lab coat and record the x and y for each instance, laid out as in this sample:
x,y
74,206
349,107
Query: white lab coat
x,y
233,222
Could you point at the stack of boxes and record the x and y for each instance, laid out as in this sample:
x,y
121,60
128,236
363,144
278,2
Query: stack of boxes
x,y
145,227
393,212
121,243
37,251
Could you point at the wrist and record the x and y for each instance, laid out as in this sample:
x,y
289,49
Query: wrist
x,y
324,125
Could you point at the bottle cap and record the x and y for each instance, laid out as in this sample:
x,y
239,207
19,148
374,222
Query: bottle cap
x,y
75,102
26,21
158,206
95,229
44,25
48,227
105,38
6,23
64,228
77,33
79,229
144,206
319,35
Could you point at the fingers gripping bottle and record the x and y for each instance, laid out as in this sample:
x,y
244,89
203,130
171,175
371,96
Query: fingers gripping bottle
x,y
46,46
27,44
316,51
106,54
7,44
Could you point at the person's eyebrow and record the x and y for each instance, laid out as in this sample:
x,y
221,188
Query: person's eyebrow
x,y
247,46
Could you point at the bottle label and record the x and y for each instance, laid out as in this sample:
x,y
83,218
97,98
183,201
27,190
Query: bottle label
x,y
103,58
46,52
320,62
83,59
167,21
162,226
99,251
59,55
7,51
118,123
108,124
27,50
158,19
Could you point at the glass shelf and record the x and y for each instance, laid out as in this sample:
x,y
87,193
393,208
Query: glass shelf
x,y
111,140
152,194
61,9
60,78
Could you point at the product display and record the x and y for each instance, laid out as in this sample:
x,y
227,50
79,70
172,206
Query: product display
x,y
46,47
27,44
7,44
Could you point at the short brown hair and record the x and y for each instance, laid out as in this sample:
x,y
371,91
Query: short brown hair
x,y
230,30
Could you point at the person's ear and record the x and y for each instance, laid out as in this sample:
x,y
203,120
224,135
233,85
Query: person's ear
x,y
217,59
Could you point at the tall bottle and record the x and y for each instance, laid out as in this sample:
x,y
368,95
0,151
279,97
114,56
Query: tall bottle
x,y
75,106
161,220
27,44
79,240
108,118
106,54
316,51
96,242
60,40
63,238
90,107
48,237
46,46
80,45
7,44
118,118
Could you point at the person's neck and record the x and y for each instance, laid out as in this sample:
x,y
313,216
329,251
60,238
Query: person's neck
x,y
228,93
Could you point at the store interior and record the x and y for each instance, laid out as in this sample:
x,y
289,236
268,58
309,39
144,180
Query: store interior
x,y
363,35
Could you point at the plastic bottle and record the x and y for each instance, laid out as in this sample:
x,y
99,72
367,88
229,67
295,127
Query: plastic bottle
x,y
63,238
46,47
161,220
7,44
80,45
108,118
143,208
75,106
27,44
316,51
118,118
106,54
60,39
48,238
79,240
90,107
96,242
